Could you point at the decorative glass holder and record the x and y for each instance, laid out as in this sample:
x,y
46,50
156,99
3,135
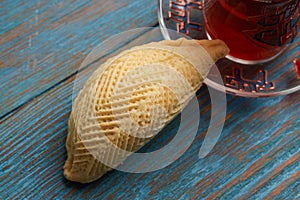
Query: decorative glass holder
x,y
280,76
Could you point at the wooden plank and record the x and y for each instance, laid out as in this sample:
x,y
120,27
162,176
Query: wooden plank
x,y
18,12
201,171
50,45
256,158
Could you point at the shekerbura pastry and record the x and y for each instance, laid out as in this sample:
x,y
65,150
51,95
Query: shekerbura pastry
x,y
130,98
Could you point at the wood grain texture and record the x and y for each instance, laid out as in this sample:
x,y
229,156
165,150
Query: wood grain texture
x,y
257,156
246,162
53,41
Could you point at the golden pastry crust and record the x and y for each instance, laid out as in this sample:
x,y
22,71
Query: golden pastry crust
x,y
96,101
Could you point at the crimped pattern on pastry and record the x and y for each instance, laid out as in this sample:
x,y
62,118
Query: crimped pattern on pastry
x,y
130,98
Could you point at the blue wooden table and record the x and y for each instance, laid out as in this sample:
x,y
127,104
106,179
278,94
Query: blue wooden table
x,y
43,44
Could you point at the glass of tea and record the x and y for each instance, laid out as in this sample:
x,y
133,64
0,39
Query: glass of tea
x,y
256,31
